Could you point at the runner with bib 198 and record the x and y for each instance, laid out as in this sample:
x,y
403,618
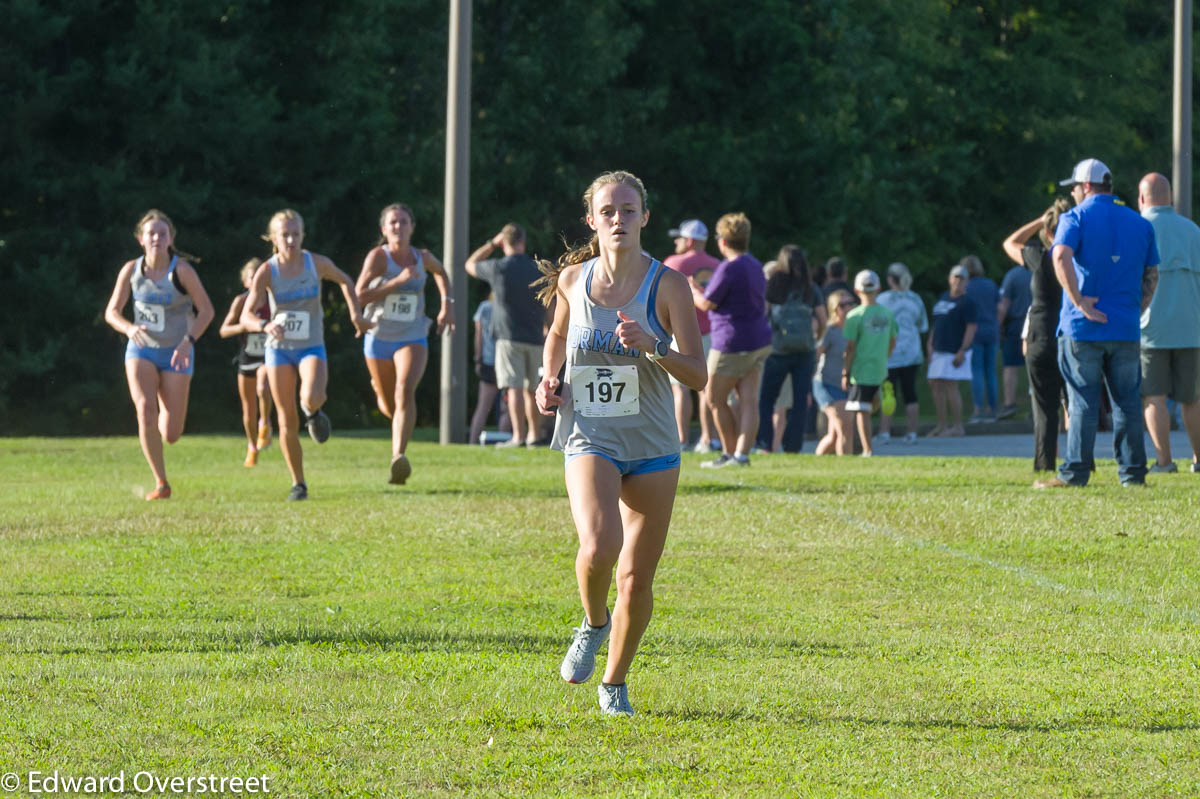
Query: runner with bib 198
x,y
617,310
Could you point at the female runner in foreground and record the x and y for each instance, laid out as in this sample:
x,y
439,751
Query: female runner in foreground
x,y
254,390
170,311
296,335
391,288
617,309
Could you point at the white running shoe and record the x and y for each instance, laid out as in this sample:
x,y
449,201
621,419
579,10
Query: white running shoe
x,y
580,661
614,700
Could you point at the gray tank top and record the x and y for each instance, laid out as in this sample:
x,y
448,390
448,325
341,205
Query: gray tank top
x,y
400,316
164,310
296,304
616,402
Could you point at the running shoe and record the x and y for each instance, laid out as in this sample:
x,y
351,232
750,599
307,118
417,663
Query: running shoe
x,y
299,491
882,438
1195,467
161,492
251,457
887,405
722,460
1169,468
401,469
264,436
910,437
319,427
701,447
580,660
1006,411
740,460
614,699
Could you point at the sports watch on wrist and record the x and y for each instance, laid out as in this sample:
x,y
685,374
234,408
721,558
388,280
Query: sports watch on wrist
x,y
660,351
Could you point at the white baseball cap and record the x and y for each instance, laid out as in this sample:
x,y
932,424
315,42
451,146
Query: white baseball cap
x,y
866,280
1089,170
689,229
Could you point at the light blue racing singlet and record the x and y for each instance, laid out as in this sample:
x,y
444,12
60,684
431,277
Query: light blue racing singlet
x,y
296,305
400,316
616,402
160,307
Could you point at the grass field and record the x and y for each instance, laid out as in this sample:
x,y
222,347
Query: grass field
x,y
886,627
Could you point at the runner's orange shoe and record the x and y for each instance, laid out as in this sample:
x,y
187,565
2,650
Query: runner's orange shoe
x,y
162,492
264,437
251,457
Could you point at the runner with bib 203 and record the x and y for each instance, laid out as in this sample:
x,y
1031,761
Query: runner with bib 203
x,y
617,309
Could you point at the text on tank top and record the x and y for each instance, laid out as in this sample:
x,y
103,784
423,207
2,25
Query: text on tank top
x,y
400,315
616,400
296,306
159,306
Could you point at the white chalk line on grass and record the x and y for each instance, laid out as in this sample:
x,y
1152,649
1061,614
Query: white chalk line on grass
x,y
1023,573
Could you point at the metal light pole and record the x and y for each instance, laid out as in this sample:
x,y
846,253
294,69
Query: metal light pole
x,y
453,426
1181,173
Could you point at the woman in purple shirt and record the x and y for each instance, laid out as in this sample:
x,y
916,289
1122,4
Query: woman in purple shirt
x,y
735,299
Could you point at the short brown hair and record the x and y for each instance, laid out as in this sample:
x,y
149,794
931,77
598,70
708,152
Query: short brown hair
x,y
512,234
735,230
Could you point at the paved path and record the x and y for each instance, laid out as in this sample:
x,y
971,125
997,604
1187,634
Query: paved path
x,y
1017,445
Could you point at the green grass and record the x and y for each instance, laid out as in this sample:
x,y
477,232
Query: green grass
x,y
885,627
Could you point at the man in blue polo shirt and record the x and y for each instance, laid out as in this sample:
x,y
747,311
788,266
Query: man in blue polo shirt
x,y
1106,260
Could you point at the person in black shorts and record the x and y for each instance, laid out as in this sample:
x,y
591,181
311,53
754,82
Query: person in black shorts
x,y
254,389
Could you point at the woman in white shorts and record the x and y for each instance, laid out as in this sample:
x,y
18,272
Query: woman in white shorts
x,y
617,309
949,350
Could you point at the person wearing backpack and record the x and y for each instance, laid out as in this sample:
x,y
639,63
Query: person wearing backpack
x,y
796,312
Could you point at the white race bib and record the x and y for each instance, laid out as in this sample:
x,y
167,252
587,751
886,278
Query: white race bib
x,y
294,324
400,306
605,391
153,317
256,345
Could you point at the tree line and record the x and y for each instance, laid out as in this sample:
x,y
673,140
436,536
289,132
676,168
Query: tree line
x,y
877,130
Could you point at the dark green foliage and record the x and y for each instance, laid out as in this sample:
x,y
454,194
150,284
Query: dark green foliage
x,y
914,131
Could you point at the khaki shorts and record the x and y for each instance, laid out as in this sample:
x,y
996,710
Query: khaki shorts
x,y
705,341
1174,373
737,364
517,364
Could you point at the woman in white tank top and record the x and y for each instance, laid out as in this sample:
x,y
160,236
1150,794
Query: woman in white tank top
x,y
391,288
171,311
622,486
295,335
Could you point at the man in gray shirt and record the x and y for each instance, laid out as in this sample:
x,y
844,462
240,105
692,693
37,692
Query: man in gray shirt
x,y
1171,324
518,321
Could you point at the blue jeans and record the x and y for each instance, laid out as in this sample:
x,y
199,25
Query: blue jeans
x,y
983,376
1085,366
776,369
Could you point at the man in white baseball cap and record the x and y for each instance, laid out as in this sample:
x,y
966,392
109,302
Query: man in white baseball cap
x,y
1089,170
1105,257
691,259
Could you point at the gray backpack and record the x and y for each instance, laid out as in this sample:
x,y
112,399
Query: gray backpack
x,y
791,325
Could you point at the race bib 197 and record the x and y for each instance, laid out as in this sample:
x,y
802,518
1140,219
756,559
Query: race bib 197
x,y
294,324
400,306
605,391
256,345
151,316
